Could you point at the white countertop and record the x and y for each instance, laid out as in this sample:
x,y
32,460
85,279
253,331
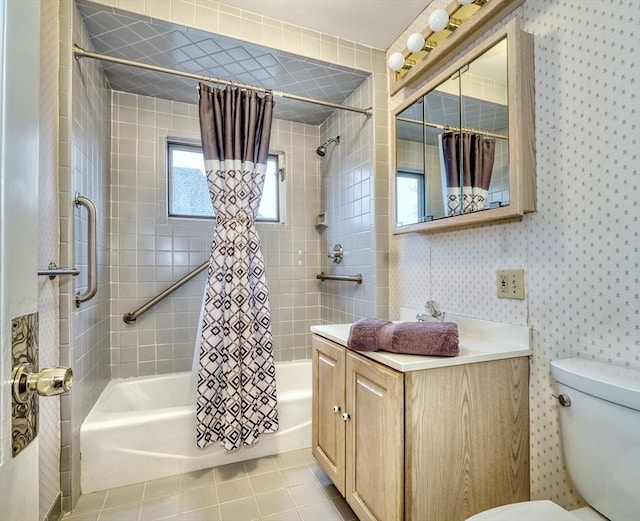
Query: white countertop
x,y
480,341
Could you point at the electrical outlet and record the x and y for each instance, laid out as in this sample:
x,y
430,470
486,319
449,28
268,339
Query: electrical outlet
x,y
510,284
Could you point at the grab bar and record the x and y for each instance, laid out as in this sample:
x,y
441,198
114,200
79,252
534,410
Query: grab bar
x,y
91,244
53,271
345,278
130,318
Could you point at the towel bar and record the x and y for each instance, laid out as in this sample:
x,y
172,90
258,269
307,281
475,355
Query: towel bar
x,y
345,278
53,271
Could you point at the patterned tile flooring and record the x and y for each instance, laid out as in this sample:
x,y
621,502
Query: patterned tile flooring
x,y
286,487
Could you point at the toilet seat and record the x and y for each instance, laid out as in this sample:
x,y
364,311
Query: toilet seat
x,y
526,511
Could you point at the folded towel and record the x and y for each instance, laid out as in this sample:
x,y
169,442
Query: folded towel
x,y
414,338
420,338
363,335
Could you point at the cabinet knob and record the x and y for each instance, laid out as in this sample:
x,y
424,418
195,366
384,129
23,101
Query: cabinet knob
x,y
336,408
346,416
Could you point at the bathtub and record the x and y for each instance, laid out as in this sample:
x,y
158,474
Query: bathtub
x,y
144,428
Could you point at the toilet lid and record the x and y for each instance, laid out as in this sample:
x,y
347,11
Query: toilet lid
x,y
526,511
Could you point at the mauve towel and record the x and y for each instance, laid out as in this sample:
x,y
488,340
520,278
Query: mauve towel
x,y
363,335
420,338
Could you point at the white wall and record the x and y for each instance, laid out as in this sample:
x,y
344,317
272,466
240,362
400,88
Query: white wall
x,y
580,249
19,133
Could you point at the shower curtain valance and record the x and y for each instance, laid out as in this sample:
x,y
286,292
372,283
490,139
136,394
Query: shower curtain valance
x,y
236,392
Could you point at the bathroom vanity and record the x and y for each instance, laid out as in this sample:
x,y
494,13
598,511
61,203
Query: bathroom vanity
x,y
424,438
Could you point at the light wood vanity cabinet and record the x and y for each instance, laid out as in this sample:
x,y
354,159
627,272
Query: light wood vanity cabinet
x,y
358,429
438,444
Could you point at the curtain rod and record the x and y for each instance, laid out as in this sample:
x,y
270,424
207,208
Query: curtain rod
x,y
79,52
449,127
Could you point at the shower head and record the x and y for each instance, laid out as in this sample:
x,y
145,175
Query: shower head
x,y
322,149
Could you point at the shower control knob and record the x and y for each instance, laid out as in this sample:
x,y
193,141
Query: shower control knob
x,y
47,382
346,416
336,408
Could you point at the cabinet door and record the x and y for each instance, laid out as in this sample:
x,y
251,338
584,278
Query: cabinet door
x,y
327,433
375,440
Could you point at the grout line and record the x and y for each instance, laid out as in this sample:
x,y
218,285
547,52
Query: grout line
x,y
302,454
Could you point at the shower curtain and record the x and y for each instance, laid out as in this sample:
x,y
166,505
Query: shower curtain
x,y
236,393
467,163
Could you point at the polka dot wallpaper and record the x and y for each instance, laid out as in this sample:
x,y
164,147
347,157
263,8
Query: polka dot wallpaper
x,y
49,250
579,249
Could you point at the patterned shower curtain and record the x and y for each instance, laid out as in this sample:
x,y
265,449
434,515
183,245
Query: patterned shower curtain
x,y
468,164
236,391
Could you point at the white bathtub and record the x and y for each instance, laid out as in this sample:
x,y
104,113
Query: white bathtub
x,y
144,428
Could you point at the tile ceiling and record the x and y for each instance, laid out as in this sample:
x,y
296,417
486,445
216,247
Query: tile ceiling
x,y
139,38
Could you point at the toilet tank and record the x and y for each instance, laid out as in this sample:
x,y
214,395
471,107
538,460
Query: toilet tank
x,y
601,434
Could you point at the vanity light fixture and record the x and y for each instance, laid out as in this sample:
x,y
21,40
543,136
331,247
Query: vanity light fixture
x,y
398,62
439,20
447,30
416,43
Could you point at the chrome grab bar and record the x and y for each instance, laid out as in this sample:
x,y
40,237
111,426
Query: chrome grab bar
x,y
130,318
91,244
346,278
53,271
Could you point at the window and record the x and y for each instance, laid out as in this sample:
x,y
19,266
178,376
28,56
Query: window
x,y
189,192
410,197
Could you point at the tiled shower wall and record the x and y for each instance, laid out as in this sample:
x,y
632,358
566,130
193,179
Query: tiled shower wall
x,y
230,21
580,248
85,116
348,188
355,202
150,251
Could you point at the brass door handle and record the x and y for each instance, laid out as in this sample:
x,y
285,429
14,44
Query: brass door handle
x,y
50,381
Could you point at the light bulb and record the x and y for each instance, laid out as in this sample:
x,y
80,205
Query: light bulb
x,y
415,42
396,61
465,2
438,20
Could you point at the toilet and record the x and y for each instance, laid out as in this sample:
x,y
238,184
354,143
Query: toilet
x,y
599,407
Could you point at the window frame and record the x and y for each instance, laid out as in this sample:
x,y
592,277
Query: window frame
x,y
178,144
420,177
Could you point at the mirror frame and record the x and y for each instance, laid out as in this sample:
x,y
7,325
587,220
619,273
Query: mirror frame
x,y
520,97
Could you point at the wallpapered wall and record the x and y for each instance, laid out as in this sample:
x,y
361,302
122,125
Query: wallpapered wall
x,y
48,250
580,249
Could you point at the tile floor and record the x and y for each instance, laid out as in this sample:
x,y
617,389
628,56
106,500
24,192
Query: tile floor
x,y
289,486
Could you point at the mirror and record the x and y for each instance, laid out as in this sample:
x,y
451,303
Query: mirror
x,y
459,143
